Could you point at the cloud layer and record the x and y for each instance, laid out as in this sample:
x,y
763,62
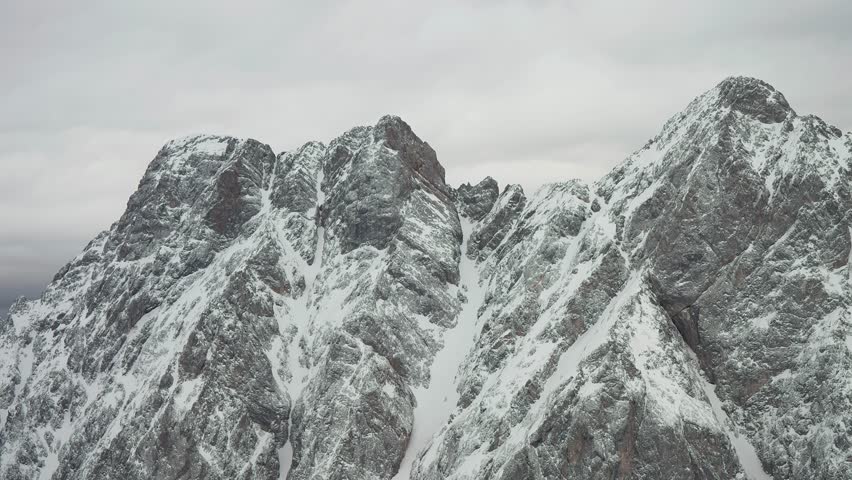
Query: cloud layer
x,y
527,92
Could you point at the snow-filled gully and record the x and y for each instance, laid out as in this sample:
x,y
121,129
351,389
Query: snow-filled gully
x,y
745,451
436,402
300,314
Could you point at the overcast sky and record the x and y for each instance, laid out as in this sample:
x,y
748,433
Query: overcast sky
x,y
526,92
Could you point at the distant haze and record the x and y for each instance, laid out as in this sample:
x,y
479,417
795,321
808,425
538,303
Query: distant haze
x,y
527,92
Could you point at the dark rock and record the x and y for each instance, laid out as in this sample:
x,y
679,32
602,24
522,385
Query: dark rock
x,y
476,201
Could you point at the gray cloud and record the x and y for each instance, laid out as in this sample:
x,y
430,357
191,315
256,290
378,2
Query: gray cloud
x,y
527,92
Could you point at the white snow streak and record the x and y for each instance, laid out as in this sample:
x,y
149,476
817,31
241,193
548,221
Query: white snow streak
x,y
588,342
849,259
744,449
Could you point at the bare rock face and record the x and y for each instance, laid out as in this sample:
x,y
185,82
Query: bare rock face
x,y
339,312
475,201
755,98
498,222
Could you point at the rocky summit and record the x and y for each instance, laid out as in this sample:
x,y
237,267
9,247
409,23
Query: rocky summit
x,y
339,312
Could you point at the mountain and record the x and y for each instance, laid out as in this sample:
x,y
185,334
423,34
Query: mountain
x,y
340,312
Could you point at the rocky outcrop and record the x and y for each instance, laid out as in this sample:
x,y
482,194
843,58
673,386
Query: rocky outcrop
x,y
340,312
475,201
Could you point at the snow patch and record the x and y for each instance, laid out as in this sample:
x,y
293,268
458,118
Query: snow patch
x,y
285,458
762,322
187,394
60,438
786,374
25,367
389,390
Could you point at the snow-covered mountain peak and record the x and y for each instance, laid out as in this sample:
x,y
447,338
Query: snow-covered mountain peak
x,y
742,123
202,143
393,122
338,311
755,97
